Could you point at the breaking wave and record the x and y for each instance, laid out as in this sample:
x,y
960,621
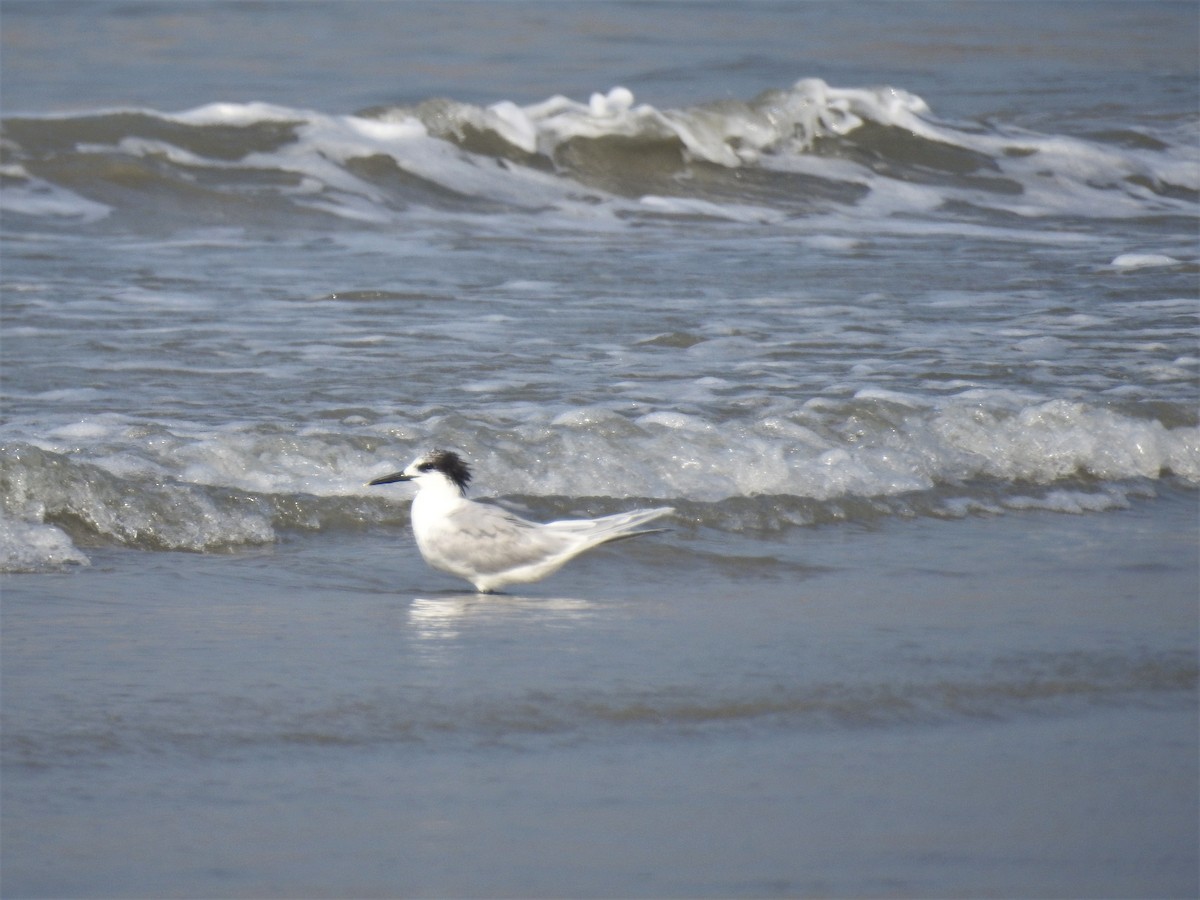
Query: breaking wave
x,y
863,459
794,152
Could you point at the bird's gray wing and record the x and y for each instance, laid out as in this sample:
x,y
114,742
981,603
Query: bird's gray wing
x,y
494,540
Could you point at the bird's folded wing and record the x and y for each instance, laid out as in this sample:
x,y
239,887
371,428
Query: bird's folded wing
x,y
493,540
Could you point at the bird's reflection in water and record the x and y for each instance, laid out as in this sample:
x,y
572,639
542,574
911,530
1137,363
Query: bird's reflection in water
x,y
444,618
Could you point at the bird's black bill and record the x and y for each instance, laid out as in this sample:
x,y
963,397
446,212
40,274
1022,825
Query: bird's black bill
x,y
388,479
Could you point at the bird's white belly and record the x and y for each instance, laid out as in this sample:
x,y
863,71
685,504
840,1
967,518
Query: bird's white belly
x,y
441,547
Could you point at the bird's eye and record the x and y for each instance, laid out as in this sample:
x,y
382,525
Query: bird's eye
x,y
425,467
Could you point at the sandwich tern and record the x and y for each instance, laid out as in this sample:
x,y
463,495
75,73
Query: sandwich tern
x,y
489,546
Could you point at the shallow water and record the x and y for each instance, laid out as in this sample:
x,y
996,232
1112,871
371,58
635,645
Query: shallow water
x,y
897,310
893,711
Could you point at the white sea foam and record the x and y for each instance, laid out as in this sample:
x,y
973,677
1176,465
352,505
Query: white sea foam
x,y
90,430
1076,502
27,195
34,547
692,206
1128,261
241,114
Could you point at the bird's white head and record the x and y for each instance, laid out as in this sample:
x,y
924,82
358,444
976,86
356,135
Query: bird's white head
x,y
437,468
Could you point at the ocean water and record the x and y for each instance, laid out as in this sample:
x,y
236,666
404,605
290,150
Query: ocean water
x,y
895,303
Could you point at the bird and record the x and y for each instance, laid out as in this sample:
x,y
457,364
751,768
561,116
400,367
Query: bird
x,y
489,546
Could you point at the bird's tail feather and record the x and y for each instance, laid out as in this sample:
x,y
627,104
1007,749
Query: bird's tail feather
x,y
615,527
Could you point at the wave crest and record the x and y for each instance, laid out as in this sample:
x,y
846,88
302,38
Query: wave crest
x,y
808,148
727,133
873,456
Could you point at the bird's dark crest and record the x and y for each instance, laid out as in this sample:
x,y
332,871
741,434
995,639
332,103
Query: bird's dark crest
x,y
451,465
